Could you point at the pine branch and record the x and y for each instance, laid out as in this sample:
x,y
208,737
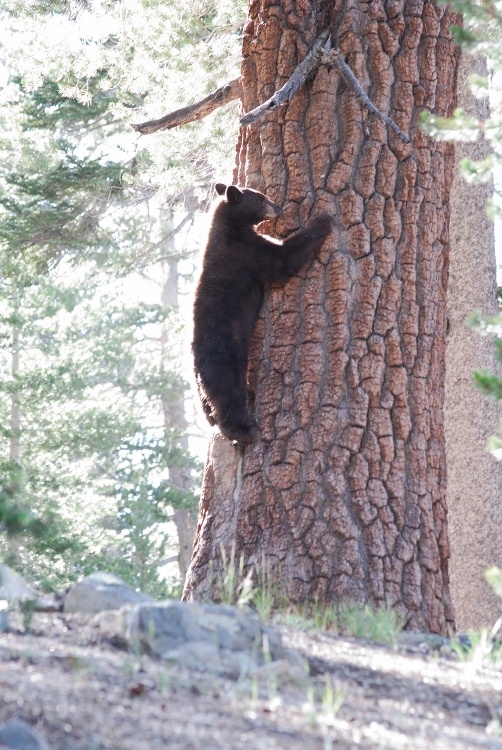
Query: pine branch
x,y
151,248
197,111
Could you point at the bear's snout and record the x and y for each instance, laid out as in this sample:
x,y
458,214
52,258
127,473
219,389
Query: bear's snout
x,y
272,211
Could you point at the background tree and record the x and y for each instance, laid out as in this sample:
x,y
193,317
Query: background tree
x,y
132,43
343,492
106,63
86,438
173,405
474,476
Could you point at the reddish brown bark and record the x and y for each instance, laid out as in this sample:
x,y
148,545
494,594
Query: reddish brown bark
x,y
343,492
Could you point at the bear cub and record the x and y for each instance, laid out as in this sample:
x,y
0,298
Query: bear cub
x,y
237,263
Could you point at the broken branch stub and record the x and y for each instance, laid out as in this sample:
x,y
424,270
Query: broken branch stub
x,y
320,54
225,94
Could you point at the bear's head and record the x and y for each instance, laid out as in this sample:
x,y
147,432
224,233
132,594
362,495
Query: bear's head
x,y
251,206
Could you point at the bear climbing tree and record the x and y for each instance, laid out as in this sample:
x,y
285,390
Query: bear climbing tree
x,y
237,264
342,494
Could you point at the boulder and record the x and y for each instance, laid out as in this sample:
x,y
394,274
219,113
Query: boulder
x,y
208,637
101,591
18,735
14,588
4,615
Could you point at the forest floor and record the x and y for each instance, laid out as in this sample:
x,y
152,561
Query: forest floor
x,y
82,693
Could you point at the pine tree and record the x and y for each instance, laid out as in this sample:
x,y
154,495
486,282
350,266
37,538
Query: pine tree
x,y
84,399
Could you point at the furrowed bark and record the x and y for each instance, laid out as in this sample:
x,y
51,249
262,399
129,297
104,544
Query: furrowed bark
x,y
342,495
332,58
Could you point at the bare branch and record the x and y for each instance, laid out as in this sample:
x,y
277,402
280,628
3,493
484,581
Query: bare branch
x,y
320,54
334,59
151,248
166,560
300,74
197,111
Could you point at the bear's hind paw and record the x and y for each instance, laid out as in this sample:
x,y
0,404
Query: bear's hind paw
x,y
239,433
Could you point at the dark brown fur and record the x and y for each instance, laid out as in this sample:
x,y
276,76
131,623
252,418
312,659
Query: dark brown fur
x,y
238,262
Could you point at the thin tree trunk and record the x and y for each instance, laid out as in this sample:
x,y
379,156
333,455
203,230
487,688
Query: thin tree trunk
x,y
16,477
173,409
15,401
474,476
343,491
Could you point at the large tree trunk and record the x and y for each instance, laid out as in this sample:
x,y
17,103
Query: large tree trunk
x,y
474,476
343,492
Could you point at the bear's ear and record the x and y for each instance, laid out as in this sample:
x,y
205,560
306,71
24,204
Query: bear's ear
x,y
220,188
233,194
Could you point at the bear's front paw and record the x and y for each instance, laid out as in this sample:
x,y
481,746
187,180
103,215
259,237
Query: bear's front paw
x,y
322,224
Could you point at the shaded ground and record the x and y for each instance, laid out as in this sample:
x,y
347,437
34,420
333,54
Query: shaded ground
x,y
82,693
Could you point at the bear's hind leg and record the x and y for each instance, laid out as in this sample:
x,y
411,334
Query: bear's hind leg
x,y
223,393
206,405
232,417
231,407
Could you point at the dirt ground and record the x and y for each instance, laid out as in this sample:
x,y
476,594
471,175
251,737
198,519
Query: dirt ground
x,y
82,693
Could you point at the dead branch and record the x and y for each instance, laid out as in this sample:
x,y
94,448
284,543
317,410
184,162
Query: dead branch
x,y
332,58
320,54
197,111
300,74
151,249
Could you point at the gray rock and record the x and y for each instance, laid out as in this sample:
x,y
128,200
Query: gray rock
x,y
100,591
207,657
49,603
14,588
18,735
200,655
235,629
161,627
211,638
111,622
4,615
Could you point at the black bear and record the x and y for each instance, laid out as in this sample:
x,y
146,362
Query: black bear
x,y
237,263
